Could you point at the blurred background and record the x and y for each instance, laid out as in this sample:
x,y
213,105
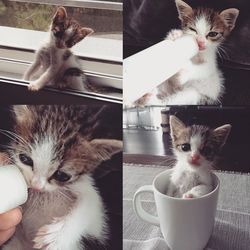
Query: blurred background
x,y
147,140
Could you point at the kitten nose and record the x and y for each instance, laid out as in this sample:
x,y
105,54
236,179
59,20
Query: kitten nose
x,y
37,185
195,158
37,189
201,43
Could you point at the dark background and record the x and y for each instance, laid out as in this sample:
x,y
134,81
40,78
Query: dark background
x,y
154,147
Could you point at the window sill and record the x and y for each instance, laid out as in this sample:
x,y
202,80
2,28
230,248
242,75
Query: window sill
x,y
101,58
92,47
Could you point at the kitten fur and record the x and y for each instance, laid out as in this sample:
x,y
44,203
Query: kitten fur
x,y
56,149
55,65
196,149
200,81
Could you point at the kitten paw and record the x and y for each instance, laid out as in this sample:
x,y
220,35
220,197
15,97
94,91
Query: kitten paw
x,y
187,196
174,34
33,86
142,101
47,236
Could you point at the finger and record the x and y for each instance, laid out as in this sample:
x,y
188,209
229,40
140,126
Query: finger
x,y
10,219
5,235
4,158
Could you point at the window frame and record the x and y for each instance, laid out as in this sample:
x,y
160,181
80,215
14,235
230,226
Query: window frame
x,y
105,5
11,89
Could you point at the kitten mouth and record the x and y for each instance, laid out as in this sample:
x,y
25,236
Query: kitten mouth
x,y
194,163
37,191
60,47
202,48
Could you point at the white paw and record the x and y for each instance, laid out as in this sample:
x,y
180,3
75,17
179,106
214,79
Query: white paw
x,y
174,34
47,236
34,86
187,196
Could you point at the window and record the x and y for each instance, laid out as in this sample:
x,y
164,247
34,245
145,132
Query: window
x,y
104,17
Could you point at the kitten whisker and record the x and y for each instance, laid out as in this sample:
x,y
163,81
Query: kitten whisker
x,y
170,161
65,195
14,137
222,52
14,148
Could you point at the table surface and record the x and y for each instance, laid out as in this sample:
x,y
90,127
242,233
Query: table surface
x,y
232,223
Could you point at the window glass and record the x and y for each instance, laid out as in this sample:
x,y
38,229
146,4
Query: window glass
x,y
107,23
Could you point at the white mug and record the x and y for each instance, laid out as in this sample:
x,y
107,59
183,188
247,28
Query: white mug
x,y
186,224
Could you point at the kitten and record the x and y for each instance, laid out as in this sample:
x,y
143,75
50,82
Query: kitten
x,y
200,81
56,149
54,63
196,149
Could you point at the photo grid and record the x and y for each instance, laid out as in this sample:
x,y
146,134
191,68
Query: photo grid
x,y
124,124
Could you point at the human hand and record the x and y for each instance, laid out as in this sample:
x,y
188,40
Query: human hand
x,y
8,223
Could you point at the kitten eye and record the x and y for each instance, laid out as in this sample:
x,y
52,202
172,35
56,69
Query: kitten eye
x,y
58,34
213,34
61,176
185,147
26,160
206,150
194,30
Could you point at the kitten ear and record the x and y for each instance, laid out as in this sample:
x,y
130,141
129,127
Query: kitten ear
x,y
85,32
22,113
221,134
230,16
61,14
183,9
176,125
105,148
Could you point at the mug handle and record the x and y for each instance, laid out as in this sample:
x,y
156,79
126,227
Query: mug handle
x,y
139,209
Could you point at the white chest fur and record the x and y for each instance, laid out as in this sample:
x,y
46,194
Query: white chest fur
x,y
61,221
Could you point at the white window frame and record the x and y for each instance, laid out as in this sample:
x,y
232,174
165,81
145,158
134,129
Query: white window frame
x,y
93,4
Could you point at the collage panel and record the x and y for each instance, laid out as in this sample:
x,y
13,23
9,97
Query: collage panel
x,y
189,52
55,54
186,182
59,166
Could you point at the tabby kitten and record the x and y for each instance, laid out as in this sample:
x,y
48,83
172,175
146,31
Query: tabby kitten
x,y
200,81
54,63
196,149
56,149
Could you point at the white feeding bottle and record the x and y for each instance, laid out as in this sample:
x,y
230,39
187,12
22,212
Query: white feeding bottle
x,y
13,188
147,69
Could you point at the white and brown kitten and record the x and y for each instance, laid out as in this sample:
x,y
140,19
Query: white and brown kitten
x,y
54,64
56,149
200,81
196,149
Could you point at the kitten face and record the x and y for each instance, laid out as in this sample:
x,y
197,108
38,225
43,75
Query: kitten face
x,y
197,145
208,26
66,32
53,146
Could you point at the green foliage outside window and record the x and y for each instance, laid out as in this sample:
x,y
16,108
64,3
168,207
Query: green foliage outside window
x,y
38,17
